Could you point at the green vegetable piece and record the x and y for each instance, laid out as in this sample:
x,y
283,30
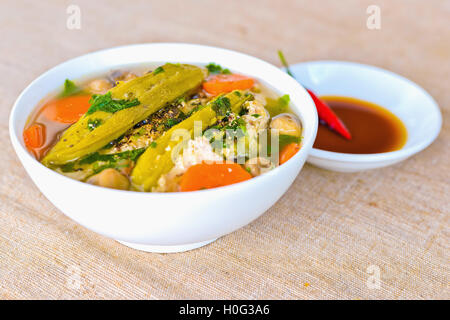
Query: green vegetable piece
x,y
221,105
94,123
152,91
158,70
171,122
107,104
216,69
278,106
94,157
158,160
284,140
70,89
96,162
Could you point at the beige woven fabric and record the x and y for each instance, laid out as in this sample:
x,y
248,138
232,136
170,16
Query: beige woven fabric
x,y
325,237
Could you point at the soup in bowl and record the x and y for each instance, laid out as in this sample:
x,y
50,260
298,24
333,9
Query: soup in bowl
x,y
160,148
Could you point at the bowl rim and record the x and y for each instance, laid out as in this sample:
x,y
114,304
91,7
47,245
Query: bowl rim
x,y
383,156
306,143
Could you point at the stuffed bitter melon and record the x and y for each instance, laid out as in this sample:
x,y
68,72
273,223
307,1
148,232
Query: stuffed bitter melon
x,y
121,153
139,97
157,160
178,128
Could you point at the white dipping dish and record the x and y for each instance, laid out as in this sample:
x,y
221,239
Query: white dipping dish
x,y
409,102
163,222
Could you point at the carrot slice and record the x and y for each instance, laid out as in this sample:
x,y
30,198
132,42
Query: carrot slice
x,y
34,136
208,176
67,110
288,152
222,83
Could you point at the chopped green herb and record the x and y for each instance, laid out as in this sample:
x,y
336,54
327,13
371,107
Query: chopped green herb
x,y
285,139
107,104
242,125
284,99
93,123
153,144
70,88
238,93
278,106
158,70
194,110
171,122
180,100
103,161
94,157
255,115
98,168
238,127
221,105
213,68
216,69
68,167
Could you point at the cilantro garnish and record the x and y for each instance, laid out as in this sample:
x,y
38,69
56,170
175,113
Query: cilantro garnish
x,y
221,105
216,69
278,106
94,157
284,140
100,162
68,167
237,127
158,70
284,99
107,104
171,122
70,88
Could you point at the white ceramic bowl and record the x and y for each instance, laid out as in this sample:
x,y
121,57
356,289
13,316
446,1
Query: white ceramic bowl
x,y
413,105
163,222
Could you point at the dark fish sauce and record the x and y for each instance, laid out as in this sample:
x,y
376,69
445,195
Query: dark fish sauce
x,y
374,129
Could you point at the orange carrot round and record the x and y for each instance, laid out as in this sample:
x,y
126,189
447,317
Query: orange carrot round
x,y
288,152
208,176
222,83
67,110
34,136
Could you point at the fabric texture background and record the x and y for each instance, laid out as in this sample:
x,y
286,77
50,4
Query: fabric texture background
x,y
328,233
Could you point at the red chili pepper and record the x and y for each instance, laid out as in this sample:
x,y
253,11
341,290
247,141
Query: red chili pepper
x,y
329,117
323,110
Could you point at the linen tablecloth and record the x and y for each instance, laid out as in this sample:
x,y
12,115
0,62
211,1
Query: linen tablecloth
x,y
374,234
